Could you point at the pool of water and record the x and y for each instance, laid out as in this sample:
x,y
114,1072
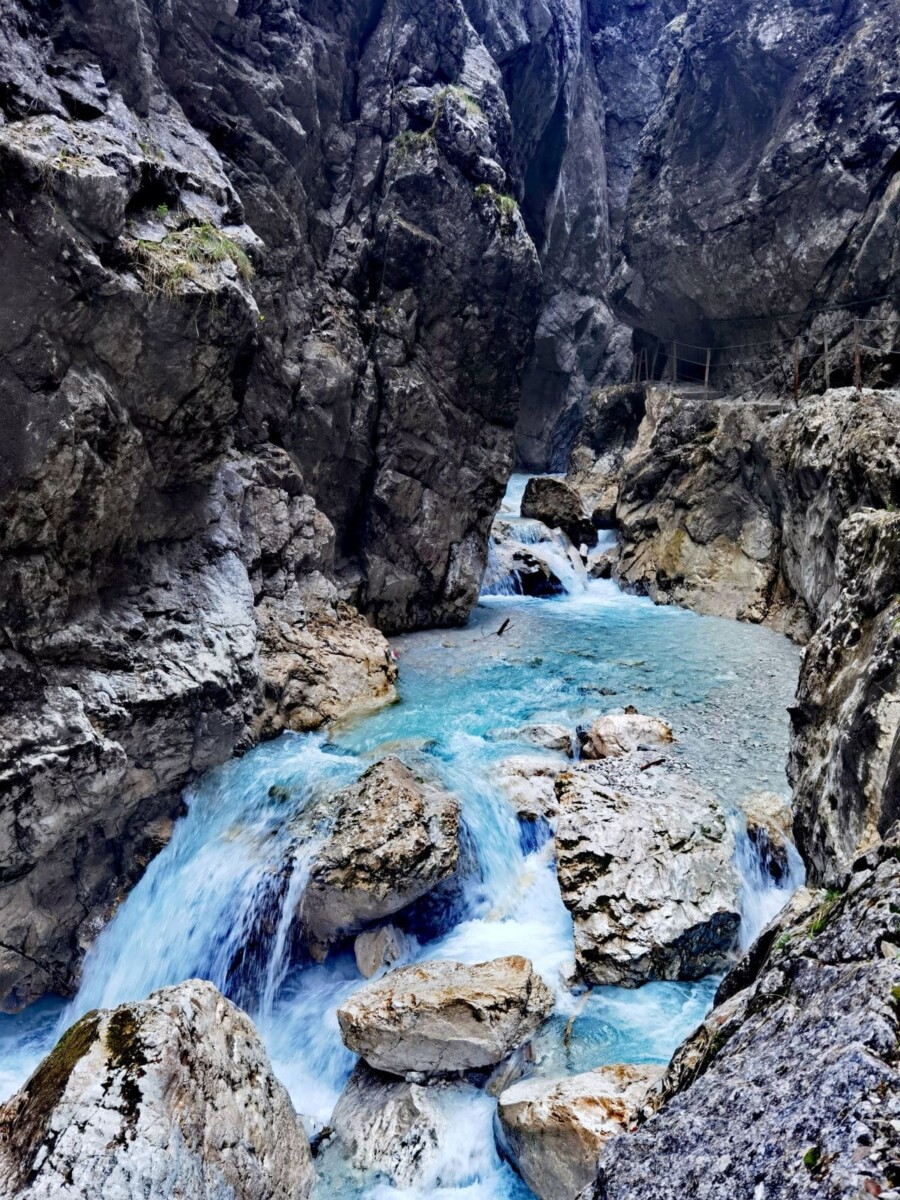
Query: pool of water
x,y
218,901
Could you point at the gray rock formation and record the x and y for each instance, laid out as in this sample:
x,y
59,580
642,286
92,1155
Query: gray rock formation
x,y
608,62
559,506
395,837
393,1127
735,513
437,1018
845,749
170,1097
553,1130
644,861
790,1088
616,734
528,781
757,194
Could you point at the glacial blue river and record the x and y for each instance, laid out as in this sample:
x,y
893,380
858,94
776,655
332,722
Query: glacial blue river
x,y
215,903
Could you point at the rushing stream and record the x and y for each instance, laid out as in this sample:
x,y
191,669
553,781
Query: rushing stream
x,y
216,902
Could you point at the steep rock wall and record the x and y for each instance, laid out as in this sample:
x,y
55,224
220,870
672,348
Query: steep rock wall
x,y
768,185
266,312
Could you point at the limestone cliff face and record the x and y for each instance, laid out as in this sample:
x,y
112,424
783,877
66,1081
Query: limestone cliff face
x,y
274,270
266,309
804,1032
611,67
767,184
786,519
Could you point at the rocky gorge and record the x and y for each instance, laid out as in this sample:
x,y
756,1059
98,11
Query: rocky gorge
x,y
291,287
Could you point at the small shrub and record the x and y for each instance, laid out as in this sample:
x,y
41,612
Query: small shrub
x,y
824,912
182,255
162,211
466,99
506,207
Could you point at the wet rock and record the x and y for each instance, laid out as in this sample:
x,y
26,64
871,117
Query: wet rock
x,y
548,736
215,640
769,820
602,566
557,505
554,1129
644,861
396,1128
171,1096
809,1038
377,948
615,734
441,1017
528,781
395,837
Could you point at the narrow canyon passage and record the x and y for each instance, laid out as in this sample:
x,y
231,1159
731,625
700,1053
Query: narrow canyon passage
x,y
221,901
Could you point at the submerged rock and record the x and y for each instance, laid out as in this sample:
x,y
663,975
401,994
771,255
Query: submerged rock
x,y
377,948
396,1128
395,837
546,735
557,505
554,1129
437,1018
616,734
173,1096
644,861
790,1089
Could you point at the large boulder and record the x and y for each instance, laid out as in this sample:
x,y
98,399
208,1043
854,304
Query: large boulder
x,y
436,1018
173,1096
395,1127
557,504
644,861
554,1129
395,837
616,734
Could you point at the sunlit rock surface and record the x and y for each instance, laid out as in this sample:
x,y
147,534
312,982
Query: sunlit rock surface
x,y
440,1017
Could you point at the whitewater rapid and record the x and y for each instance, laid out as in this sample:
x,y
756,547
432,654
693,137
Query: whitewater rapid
x,y
218,902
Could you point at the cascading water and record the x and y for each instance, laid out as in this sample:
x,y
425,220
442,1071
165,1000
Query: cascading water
x,y
220,901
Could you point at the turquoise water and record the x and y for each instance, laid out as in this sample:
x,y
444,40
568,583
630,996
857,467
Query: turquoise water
x,y
218,902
